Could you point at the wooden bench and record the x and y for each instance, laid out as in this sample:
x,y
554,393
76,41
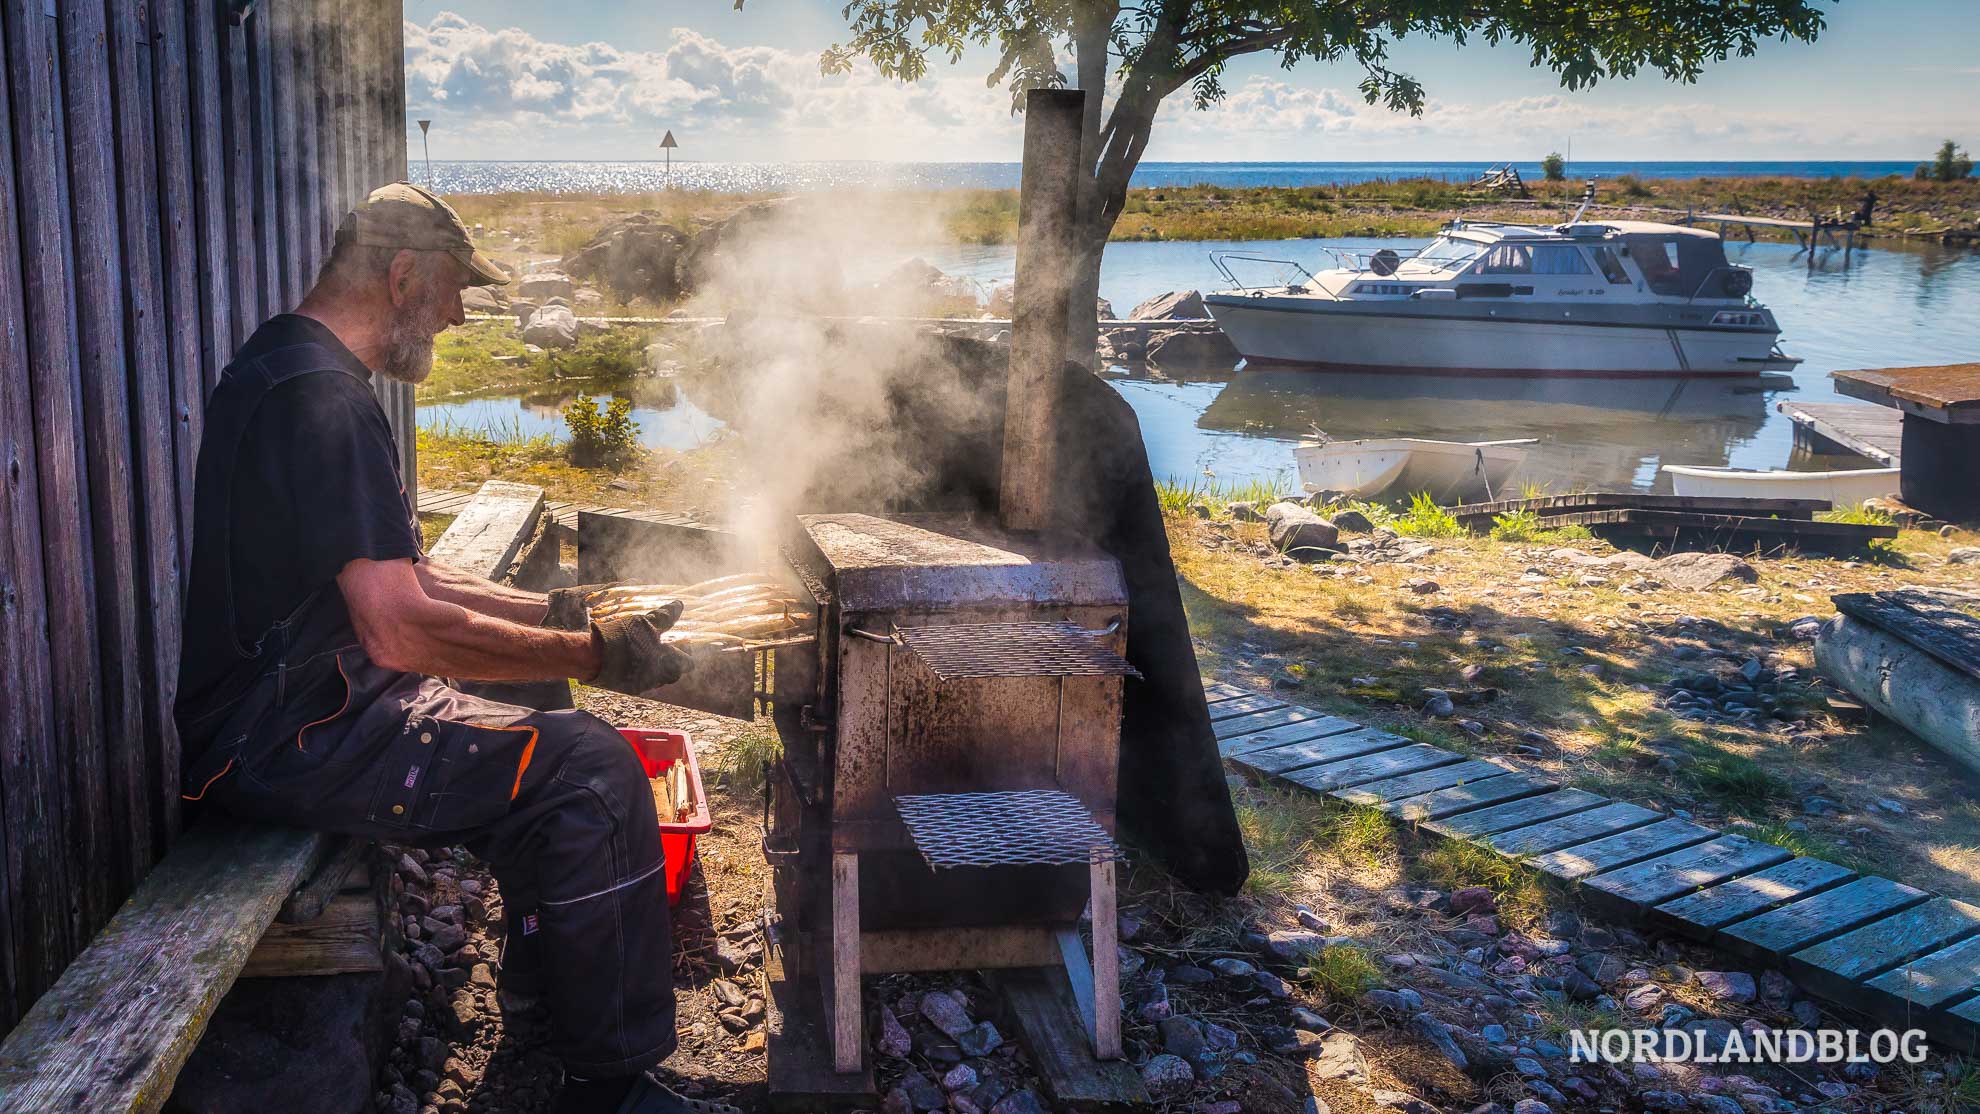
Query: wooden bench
x,y
229,899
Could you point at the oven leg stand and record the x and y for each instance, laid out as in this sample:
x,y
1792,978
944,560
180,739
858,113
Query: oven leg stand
x,y
847,1044
1096,987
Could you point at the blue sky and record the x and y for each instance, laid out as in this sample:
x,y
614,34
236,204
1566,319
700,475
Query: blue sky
x,y
591,79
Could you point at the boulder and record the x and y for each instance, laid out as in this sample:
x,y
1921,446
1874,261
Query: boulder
x,y
635,257
544,285
1301,534
1702,570
918,288
1002,301
551,327
1104,309
1192,348
484,299
1352,521
1176,304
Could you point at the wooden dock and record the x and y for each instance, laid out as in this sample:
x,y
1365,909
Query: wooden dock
x,y
1838,232
563,513
1875,432
1871,945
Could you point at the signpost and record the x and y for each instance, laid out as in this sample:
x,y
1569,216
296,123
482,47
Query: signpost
x,y
667,144
428,148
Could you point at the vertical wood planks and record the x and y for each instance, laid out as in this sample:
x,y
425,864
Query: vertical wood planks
x,y
75,737
236,126
268,139
165,28
31,926
209,168
154,768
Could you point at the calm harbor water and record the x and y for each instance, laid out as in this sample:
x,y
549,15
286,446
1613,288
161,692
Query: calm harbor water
x,y
1888,308
753,177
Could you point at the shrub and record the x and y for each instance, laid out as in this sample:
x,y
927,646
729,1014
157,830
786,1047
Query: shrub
x,y
1425,519
1951,164
1632,186
607,438
1554,167
1516,526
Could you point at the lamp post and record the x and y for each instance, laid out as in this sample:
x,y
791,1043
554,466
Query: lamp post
x,y
428,148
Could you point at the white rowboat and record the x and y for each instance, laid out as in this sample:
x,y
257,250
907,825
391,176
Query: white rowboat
x,y
1841,489
1451,471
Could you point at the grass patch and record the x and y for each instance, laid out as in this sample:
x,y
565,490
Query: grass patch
x,y
1177,496
1801,843
741,765
1560,1016
1425,519
1454,864
487,355
1572,533
1516,526
1341,972
1278,827
1737,780
1858,514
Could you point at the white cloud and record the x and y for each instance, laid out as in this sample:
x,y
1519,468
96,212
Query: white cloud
x,y
504,93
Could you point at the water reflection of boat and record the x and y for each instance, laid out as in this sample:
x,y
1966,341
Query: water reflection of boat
x,y
1601,433
1449,471
1842,488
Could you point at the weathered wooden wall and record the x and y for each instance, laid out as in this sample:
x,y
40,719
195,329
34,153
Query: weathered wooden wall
x,y
172,175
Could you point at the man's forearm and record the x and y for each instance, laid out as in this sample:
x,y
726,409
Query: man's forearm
x,y
450,640
447,584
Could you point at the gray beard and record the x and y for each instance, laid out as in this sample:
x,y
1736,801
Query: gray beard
x,y
409,347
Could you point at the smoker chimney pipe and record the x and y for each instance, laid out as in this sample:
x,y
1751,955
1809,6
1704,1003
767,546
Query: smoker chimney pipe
x,y
1032,490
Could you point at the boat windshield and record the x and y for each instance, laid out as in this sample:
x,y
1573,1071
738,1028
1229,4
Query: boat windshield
x,y
1444,255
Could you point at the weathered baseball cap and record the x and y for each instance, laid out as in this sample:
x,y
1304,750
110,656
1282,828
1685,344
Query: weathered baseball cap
x,y
403,215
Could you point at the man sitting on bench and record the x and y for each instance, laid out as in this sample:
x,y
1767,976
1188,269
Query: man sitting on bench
x,y
318,637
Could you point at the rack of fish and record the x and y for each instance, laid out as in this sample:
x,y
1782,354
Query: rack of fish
x,y
736,614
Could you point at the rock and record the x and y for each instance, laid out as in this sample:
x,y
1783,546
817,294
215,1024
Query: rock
x,y
1183,304
943,1013
1311,1022
1716,1104
1351,521
1271,984
1184,974
1402,1101
1315,1105
410,869
1192,349
1531,1106
1156,1006
484,299
962,1077
1299,533
896,1101
1244,511
1022,1102
1439,1036
1292,947
1529,1067
1423,587
541,286
1805,628
1661,1100
1694,571
1290,1042
1183,1037
893,1040
1438,703
1579,987
1233,968
1964,555
1644,998
1600,966
980,1039
635,257
1339,1058
551,327
935,1047
1473,899
923,1091
1807,1014
1733,986
1166,1075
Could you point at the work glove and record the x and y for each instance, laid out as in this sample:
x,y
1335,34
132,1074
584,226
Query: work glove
x,y
632,657
568,607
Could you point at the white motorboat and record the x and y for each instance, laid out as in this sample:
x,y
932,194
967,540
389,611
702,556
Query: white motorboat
x,y
1841,489
1593,297
1451,471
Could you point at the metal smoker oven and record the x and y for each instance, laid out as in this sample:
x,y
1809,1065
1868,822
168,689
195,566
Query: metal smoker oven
x,y
946,796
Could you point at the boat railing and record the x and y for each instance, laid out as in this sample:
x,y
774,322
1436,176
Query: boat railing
x,y
1222,260
1364,261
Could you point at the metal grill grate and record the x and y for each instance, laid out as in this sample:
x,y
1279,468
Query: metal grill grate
x,y
1026,827
1013,650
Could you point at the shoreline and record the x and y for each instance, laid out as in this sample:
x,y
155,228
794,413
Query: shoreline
x,y
555,223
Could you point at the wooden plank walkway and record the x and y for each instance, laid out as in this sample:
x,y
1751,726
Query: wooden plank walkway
x,y
564,514
1875,432
1878,947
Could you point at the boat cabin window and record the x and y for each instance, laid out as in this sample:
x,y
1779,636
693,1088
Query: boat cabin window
x,y
1659,261
1558,259
1445,254
1611,264
1508,259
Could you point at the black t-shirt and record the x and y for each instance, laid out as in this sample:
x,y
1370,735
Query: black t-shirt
x,y
315,485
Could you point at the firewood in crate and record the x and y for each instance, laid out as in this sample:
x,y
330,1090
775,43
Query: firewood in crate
x,y
673,801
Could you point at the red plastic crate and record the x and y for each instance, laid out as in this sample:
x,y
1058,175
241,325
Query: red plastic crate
x,y
657,751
